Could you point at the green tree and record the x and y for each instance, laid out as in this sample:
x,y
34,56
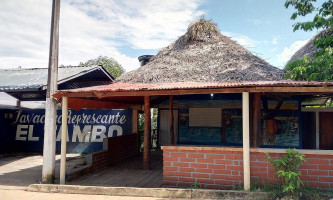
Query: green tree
x,y
321,67
109,64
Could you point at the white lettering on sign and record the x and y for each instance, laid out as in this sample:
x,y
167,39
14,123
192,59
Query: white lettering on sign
x,y
30,135
20,133
89,133
81,135
73,119
59,134
108,126
115,128
23,130
98,133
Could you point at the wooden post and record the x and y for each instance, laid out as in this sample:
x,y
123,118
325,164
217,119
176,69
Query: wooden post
x,y
151,127
63,140
147,136
246,140
251,110
223,125
50,105
135,127
256,119
317,130
172,132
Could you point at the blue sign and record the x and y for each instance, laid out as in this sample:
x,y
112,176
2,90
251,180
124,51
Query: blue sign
x,y
86,129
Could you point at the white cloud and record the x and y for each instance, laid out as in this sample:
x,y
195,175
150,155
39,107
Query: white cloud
x,y
290,51
89,28
275,40
248,42
242,39
257,22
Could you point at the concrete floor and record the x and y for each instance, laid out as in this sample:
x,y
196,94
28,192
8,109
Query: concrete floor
x,y
21,170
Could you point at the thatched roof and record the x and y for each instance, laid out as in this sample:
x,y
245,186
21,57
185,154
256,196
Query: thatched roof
x,y
309,48
203,54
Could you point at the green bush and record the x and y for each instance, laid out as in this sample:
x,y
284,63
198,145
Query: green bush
x,y
287,169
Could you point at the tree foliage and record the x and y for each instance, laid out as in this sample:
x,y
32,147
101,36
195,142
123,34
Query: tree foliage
x,y
320,68
109,64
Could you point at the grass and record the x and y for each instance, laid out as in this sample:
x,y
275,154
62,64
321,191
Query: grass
x,y
276,190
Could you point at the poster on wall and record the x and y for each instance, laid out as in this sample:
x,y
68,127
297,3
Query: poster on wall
x,y
86,129
282,130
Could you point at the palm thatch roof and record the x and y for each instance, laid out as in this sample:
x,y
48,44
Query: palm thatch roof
x,y
203,54
309,49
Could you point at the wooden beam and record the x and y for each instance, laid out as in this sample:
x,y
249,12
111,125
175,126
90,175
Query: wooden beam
x,y
200,91
147,134
158,99
172,131
256,119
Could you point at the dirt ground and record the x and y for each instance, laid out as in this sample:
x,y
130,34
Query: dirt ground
x,y
21,194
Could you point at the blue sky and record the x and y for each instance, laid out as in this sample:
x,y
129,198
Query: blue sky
x,y
127,29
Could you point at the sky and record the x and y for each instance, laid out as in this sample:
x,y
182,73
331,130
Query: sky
x,y
126,29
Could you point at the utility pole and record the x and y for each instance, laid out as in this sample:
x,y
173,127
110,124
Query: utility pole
x,y
48,173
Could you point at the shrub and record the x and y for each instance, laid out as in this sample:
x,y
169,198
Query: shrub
x,y
287,169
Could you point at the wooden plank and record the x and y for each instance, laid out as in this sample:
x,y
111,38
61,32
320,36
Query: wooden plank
x,y
126,174
149,182
256,119
158,179
146,179
138,177
172,131
200,91
147,135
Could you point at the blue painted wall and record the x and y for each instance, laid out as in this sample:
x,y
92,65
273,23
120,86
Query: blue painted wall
x,y
288,137
2,133
86,129
210,135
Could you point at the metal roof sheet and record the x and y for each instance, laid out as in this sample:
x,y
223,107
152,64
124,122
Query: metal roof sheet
x,y
34,78
196,85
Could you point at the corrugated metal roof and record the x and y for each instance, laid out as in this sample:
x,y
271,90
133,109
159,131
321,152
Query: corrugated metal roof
x,y
34,78
196,85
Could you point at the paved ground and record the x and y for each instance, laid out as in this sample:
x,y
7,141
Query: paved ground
x,y
21,170
20,194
